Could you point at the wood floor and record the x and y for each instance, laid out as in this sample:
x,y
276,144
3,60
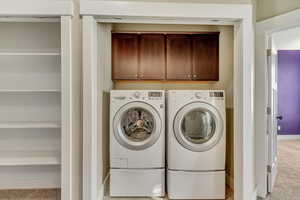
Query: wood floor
x,y
287,186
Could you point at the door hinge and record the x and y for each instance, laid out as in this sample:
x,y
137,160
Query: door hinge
x,y
269,52
269,110
269,169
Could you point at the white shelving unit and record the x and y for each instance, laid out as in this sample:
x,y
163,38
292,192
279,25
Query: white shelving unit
x,y
29,125
24,53
30,158
35,104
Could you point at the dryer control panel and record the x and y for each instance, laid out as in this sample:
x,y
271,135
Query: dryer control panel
x,y
155,94
216,95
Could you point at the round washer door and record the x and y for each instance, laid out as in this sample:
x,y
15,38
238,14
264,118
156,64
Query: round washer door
x,y
137,125
198,126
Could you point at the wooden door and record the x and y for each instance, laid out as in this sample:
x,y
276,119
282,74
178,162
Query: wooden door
x,y
152,57
179,60
124,56
206,57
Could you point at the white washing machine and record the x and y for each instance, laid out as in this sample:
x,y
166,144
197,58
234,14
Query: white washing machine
x,y
137,143
196,144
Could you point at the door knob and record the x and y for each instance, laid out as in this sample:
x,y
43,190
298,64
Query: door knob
x,y
279,117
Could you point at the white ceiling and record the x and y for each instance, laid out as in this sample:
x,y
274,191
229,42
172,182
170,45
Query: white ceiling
x,y
287,39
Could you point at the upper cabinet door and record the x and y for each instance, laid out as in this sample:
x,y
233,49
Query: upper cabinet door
x,y
206,57
125,56
179,57
152,56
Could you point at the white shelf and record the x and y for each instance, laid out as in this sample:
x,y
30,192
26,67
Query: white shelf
x,y
29,177
29,158
29,53
30,125
34,74
29,91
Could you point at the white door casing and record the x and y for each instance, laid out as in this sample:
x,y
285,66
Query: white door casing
x,y
264,30
238,15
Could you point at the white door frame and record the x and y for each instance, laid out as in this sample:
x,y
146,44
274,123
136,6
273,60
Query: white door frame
x,y
240,15
263,30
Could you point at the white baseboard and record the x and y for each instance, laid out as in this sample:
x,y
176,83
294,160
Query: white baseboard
x,y
103,188
101,193
288,137
230,181
254,195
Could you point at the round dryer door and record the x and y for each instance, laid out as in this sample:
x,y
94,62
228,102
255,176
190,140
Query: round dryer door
x,y
198,126
137,125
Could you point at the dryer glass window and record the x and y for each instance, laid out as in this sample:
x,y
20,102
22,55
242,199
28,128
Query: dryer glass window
x,y
198,126
137,124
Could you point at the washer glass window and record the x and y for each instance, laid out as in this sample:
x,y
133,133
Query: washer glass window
x,y
198,126
137,124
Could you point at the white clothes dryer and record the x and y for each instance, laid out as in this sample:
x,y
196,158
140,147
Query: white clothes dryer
x,y
196,144
137,143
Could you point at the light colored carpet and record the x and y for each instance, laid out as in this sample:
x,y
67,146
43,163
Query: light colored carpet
x,y
287,185
38,194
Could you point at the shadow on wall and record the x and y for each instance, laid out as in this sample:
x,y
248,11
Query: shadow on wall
x,y
105,133
229,147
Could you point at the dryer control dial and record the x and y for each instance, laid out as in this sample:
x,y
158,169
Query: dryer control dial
x,y
137,95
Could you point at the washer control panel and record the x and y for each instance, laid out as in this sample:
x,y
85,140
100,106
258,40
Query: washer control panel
x,y
155,94
137,95
123,95
147,95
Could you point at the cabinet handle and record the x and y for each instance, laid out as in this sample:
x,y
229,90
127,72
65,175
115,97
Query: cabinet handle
x,y
189,76
194,75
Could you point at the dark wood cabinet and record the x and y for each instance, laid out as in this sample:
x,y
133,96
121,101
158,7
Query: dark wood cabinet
x,y
179,57
152,57
205,57
124,56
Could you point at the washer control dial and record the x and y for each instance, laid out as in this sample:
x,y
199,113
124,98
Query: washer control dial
x,y
198,95
137,95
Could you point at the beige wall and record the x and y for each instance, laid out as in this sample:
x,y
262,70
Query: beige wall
x,y
230,145
270,8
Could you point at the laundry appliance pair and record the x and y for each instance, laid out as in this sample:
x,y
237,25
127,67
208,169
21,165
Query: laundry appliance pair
x,y
190,131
